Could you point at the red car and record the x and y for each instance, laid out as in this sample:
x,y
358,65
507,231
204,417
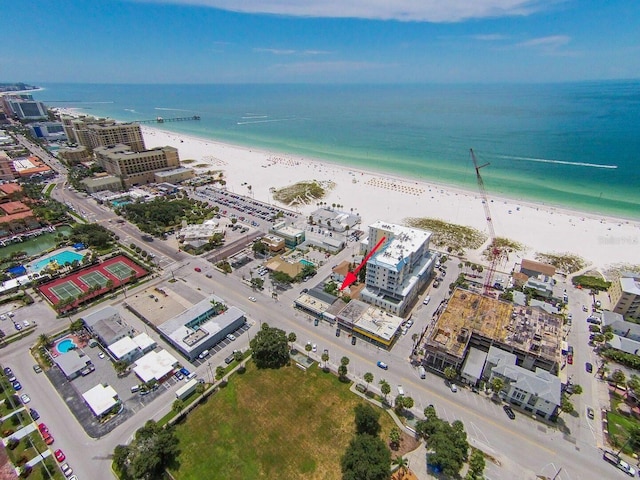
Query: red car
x,y
48,439
197,269
570,359
59,455
43,428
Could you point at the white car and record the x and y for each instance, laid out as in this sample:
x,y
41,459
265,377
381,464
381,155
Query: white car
x,y
454,389
26,323
314,348
101,355
231,337
253,299
25,398
409,323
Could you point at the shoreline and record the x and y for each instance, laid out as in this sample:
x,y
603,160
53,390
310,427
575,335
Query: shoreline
x,y
601,240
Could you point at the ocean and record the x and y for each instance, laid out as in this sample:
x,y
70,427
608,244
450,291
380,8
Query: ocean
x,y
573,145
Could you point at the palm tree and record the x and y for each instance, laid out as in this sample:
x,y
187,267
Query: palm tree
x,y
450,373
45,340
177,406
385,388
368,377
325,359
291,339
308,348
496,385
402,464
344,361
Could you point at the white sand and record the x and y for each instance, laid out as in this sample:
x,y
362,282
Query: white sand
x,y
602,241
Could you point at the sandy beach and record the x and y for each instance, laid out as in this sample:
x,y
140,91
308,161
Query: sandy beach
x,y
603,242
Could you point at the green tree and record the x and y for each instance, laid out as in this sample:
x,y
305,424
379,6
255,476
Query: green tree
x,y
308,348
368,377
618,377
496,385
366,458
237,356
367,420
402,464
385,388
260,248
219,372
344,361
342,372
477,464
450,373
577,390
177,405
270,348
45,340
394,437
291,338
120,457
565,405
151,451
325,358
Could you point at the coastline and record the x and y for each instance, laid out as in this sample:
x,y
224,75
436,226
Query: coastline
x,y
602,241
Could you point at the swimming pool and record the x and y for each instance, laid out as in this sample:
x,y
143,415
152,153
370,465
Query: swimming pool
x,y
307,262
65,345
60,258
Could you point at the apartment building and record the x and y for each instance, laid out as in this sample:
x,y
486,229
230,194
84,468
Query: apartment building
x,y
93,133
625,295
399,268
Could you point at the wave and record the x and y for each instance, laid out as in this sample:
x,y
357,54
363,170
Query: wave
x,y
559,162
255,116
130,110
267,121
173,109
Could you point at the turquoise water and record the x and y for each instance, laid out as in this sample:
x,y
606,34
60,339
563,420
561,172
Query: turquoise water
x,y
34,245
120,203
307,262
61,258
65,345
572,144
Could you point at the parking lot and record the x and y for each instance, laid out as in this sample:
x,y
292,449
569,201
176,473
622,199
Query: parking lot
x,y
220,346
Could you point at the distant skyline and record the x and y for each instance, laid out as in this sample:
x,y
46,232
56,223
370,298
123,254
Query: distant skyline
x,y
319,41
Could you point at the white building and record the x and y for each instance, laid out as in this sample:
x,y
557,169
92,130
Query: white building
x,y
128,349
625,295
198,235
538,392
155,366
101,399
400,267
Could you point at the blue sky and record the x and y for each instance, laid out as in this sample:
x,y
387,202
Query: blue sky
x,y
319,41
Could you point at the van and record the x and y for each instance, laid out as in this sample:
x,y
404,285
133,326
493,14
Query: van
x,y
426,300
203,354
192,375
135,388
423,372
400,390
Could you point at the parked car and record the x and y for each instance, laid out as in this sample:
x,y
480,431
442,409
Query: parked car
x,y
509,412
16,385
7,371
337,332
37,368
34,414
184,372
314,348
570,359
588,367
590,413
382,365
454,388
25,398
60,456
43,428
353,340
231,336
66,469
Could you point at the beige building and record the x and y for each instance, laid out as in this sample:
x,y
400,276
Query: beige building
x,y
273,242
136,168
93,133
625,295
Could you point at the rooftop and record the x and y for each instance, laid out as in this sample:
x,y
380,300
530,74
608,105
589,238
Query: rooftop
x,y
401,242
370,320
529,329
155,365
544,268
101,399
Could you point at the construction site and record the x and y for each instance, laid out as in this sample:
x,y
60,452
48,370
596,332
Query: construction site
x,y
474,320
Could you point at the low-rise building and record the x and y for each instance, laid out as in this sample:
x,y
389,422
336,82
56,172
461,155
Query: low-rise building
x,y
101,399
107,326
538,392
531,268
542,285
155,366
175,175
274,243
292,236
369,323
72,363
202,326
626,335
129,349
102,182
199,234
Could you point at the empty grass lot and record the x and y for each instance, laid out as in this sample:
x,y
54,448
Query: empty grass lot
x,y
271,424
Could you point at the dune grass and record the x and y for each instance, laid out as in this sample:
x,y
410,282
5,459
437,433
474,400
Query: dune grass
x,y
445,235
269,424
301,193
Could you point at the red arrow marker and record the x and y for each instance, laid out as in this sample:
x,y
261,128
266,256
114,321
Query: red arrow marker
x,y
353,276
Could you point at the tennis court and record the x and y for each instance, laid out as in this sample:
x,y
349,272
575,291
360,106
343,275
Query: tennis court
x,y
120,270
93,279
66,290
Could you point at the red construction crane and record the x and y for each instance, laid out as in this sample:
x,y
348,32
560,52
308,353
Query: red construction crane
x,y
495,251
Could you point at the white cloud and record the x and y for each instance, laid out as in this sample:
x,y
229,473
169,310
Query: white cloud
x,y
274,51
550,42
492,37
403,10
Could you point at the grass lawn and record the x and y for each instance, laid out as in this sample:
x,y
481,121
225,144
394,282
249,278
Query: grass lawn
x,y
619,428
269,424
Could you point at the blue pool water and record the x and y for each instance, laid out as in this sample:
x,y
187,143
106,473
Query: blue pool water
x,y
307,262
61,258
65,345
120,203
